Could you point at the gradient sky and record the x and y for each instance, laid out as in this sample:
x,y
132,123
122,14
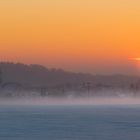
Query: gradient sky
x,y
97,36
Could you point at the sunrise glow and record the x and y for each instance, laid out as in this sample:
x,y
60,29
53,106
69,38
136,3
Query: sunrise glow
x,y
137,59
76,35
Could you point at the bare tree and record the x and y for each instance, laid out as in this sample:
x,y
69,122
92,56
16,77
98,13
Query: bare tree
x,y
0,76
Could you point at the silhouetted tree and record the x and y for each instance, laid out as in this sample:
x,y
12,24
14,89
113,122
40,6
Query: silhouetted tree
x,y
0,76
43,92
87,86
136,88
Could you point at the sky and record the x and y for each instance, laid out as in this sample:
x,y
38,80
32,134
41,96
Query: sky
x,y
96,36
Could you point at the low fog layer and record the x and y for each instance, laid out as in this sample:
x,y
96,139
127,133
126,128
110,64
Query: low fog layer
x,y
66,101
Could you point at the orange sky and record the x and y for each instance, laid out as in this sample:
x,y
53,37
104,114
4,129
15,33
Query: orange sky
x,y
97,36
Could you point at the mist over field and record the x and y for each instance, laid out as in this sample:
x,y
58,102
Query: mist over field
x,y
70,101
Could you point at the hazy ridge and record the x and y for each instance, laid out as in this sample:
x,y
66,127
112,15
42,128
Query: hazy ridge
x,y
19,78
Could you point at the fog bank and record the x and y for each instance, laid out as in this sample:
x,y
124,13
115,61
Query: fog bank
x,y
71,101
